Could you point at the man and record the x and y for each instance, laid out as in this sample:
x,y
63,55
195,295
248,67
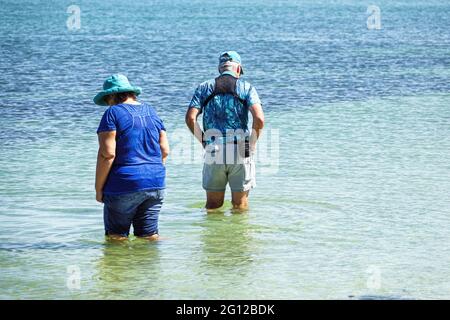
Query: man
x,y
225,103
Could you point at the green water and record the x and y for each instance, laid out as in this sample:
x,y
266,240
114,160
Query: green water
x,y
372,194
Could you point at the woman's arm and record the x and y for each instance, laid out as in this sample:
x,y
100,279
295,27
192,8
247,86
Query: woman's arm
x,y
105,159
164,145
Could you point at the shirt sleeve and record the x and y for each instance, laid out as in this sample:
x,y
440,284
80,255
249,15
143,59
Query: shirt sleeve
x,y
196,101
108,122
252,97
159,124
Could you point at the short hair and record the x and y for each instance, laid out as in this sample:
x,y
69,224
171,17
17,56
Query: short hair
x,y
120,97
229,66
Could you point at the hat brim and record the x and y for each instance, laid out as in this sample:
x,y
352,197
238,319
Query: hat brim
x,y
99,98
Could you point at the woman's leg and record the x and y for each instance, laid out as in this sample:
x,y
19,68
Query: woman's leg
x,y
145,222
118,213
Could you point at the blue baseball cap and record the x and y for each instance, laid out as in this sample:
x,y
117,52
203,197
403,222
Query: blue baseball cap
x,y
232,56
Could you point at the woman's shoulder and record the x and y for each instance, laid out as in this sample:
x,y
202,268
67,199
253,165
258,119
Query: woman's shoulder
x,y
149,107
144,107
116,109
124,107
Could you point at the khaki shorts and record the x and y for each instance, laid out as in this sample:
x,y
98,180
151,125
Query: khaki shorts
x,y
240,173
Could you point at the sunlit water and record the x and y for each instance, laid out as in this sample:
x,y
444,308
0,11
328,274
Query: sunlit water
x,y
356,207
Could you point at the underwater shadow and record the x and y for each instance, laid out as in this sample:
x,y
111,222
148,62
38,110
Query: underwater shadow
x,y
227,241
127,269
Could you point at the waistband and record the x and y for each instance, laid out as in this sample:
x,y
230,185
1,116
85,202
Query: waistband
x,y
229,139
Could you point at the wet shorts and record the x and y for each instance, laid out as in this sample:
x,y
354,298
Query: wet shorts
x,y
140,209
222,167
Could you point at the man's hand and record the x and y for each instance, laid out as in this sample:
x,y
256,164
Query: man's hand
x,y
99,196
191,122
252,147
258,124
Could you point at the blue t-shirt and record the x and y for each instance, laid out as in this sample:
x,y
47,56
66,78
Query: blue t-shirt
x,y
225,112
138,163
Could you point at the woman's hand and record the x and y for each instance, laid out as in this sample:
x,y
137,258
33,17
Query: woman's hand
x,y
99,196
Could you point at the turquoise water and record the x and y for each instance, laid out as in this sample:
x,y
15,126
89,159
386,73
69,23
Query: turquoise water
x,y
352,192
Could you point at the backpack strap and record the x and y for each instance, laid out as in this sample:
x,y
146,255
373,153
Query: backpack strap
x,y
224,84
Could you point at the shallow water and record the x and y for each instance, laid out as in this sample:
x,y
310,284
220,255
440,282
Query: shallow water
x,y
352,203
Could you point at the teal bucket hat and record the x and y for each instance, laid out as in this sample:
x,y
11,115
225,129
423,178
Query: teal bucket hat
x,y
115,84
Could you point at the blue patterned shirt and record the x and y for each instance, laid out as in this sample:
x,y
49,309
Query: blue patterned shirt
x,y
225,112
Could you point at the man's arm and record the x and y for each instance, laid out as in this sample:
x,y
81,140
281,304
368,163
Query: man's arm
x,y
192,123
258,124
105,159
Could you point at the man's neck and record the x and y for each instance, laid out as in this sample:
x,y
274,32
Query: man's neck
x,y
230,73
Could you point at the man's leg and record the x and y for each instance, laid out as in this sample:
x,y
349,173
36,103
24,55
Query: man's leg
x,y
214,182
214,199
241,178
240,200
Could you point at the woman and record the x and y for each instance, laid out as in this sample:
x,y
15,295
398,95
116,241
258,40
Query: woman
x,y
133,147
